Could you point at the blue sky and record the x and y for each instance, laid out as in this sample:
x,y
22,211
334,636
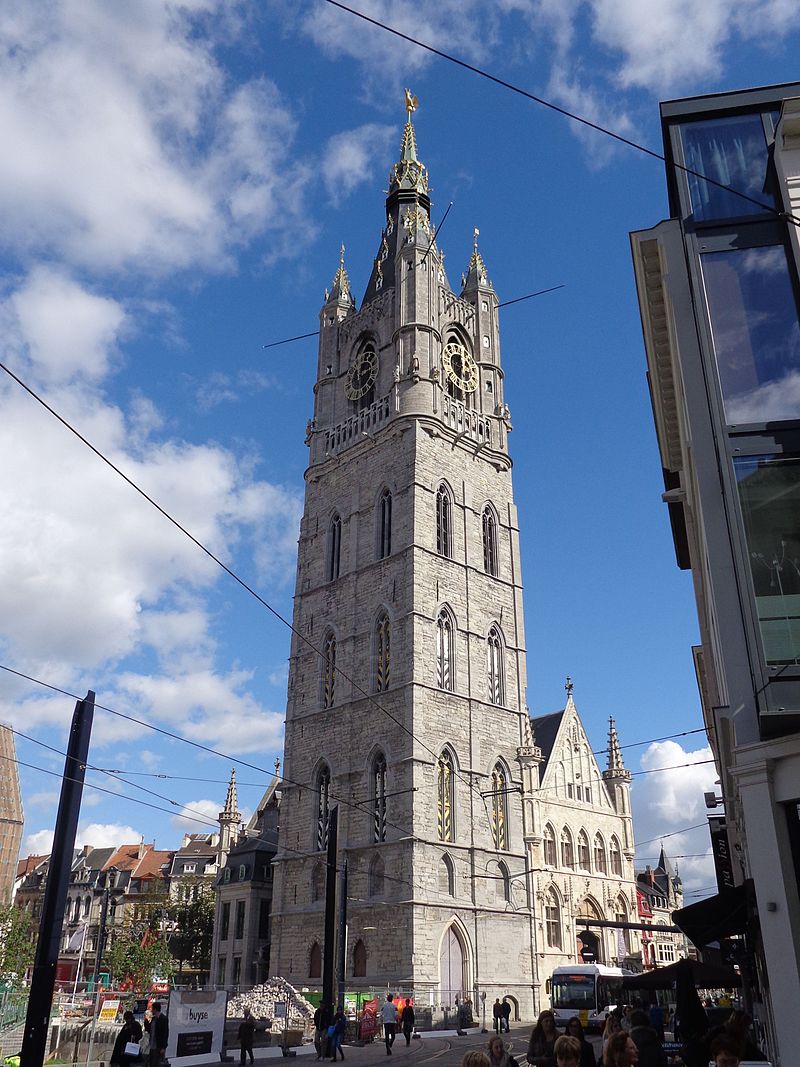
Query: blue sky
x,y
175,184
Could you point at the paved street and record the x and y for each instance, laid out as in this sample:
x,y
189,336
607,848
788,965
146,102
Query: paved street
x,y
443,1051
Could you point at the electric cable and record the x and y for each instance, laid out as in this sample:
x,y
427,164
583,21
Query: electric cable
x,y
228,570
787,216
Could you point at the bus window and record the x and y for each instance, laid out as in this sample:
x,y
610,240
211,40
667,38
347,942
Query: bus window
x,y
547,987
574,992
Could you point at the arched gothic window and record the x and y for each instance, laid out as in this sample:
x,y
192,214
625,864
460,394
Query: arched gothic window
x,y
323,807
328,670
315,961
334,547
489,523
616,857
447,876
445,800
444,522
503,883
496,667
385,525
445,673
375,880
552,919
549,842
359,960
379,797
87,906
621,916
567,850
500,806
584,859
600,864
383,650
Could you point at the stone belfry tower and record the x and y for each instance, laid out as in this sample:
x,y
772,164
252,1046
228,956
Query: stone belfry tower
x,y
409,710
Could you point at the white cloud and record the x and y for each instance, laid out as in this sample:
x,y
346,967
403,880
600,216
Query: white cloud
x,y
666,801
215,709
350,156
130,147
107,835
68,330
38,843
192,816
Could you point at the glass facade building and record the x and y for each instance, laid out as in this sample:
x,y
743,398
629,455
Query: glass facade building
x,y
718,294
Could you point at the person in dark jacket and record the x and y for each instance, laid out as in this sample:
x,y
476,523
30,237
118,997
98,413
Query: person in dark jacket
x,y
247,1029
339,1025
322,1020
542,1042
497,1015
131,1031
159,1036
574,1028
651,1051
506,1010
407,1020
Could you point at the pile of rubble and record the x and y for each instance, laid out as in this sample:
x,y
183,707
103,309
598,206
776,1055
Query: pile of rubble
x,y
261,1001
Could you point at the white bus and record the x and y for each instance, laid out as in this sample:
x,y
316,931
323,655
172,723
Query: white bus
x,y
588,990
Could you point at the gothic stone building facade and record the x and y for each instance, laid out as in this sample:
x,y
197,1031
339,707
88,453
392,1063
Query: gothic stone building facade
x,y
406,697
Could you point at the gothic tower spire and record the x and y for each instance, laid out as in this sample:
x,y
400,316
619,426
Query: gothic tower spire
x,y
230,820
615,762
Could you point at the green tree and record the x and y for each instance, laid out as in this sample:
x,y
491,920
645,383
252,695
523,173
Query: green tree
x,y
192,925
136,949
16,945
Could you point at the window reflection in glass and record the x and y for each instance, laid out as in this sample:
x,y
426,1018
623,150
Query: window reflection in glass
x,y
769,492
755,329
732,151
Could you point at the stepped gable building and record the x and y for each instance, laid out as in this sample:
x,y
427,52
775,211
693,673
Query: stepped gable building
x,y
11,816
406,708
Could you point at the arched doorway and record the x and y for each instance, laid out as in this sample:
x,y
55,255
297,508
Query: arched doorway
x,y
453,980
591,944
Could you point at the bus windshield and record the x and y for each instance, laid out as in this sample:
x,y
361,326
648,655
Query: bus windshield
x,y
574,992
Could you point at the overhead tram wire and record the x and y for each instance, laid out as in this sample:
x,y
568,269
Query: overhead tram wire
x,y
503,304
787,216
203,820
228,570
359,806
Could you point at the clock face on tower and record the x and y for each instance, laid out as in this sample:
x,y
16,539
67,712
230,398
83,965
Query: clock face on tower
x,y
460,367
361,375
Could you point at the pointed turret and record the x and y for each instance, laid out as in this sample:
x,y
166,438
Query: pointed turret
x,y
615,762
477,276
408,208
340,287
230,820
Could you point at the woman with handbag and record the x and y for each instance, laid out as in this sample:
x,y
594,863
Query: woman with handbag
x,y
127,1047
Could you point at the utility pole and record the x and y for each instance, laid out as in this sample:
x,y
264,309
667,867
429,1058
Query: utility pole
x,y
37,1021
340,970
329,951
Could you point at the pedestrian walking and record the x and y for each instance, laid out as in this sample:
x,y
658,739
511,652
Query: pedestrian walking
x,y
567,1051
499,1056
475,1058
407,1020
389,1016
574,1028
543,1038
621,1051
506,1007
323,1018
725,1052
613,1026
336,1033
130,1035
159,1036
651,1051
497,1015
247,1029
